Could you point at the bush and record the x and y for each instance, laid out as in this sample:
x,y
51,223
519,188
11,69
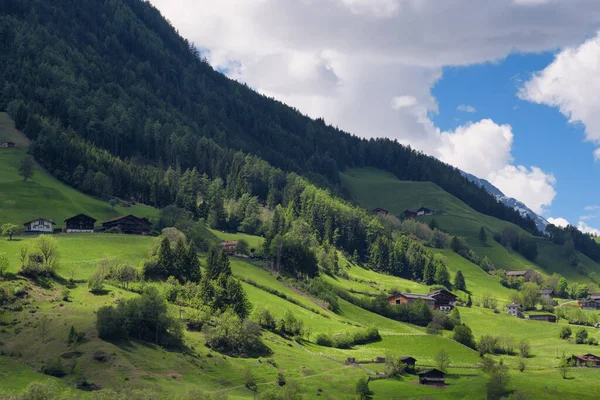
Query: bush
x,y
230,334
581,336
263,317
592,341
323,339
463,334
565,332
96,284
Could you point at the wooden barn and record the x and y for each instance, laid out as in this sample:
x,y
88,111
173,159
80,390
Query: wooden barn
x,y
39,225
128,224
7,144
444,299
542,317
586,360
431,377
380,211
409,298
80,223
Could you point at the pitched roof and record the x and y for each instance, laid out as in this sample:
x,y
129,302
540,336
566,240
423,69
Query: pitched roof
x,y
232,243
428,371
81,215
515,273
406,358
440,291
413,296
546,291
115,219
513,305
38,219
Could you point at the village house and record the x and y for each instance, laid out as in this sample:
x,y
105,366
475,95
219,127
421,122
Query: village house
x,y
128,224
80,223
40,225
431,377
526,275
380,211
586,360
515,310
595,296
444,299
7,144
547,294
425,211
409,214
229,247
410,298
542,317
589,304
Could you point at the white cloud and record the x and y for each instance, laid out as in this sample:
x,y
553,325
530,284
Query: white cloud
x,y
560,222
585,228
399,102
532,186
591,208
571,83
345,60
466,108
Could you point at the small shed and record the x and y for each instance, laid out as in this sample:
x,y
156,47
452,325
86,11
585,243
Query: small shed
x,y
543,317
380,211
425,211
546,294
431,376
409,361
380,360
351,360
7,144
409,214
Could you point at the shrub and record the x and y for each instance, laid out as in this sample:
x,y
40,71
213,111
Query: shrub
x,y
463,334
323,339
96,284
592,341
263,317
230,334
581,336
565,332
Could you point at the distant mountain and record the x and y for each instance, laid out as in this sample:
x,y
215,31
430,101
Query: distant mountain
x,y
540,222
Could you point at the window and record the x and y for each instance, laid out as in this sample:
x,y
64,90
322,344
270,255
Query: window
x,y
397,301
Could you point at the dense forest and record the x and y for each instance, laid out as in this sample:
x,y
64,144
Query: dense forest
x,y
112,96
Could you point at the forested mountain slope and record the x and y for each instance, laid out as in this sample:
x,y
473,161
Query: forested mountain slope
x,y
111,87
376,188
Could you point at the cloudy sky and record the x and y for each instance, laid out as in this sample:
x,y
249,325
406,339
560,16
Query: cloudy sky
x,y
506,89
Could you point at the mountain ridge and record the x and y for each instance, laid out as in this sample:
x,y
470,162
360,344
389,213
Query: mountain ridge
x,y
540,222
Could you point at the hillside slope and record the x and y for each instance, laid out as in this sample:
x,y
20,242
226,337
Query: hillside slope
x,y
375,188
45,196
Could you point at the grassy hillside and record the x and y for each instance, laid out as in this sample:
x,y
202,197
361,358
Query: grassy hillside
x,y
375,188
45,196
316,370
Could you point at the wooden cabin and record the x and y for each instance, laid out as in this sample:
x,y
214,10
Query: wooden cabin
x,y
543,317
128,224
80,223
444,299
230,247
409,298
431,377
380,211
586,360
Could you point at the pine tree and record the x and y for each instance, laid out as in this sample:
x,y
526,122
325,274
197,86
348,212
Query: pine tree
x,y
482,235
180,261
237,299
469,301
166,259
429,273
459,281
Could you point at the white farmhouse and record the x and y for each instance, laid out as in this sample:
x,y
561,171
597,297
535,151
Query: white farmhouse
x,y
515,310
40,225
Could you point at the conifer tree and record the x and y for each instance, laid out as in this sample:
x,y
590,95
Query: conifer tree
x,y
459,281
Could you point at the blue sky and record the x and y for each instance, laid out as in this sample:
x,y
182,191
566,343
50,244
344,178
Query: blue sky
x,y
543,136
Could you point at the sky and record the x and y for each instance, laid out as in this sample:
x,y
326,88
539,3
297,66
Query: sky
x,y
506,90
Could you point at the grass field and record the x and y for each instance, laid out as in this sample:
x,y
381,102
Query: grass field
x,y
45,196
457,218
318,371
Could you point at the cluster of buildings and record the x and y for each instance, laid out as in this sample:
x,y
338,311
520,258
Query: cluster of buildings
x,y
591,303
431,376
440,299
82,223
407,213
